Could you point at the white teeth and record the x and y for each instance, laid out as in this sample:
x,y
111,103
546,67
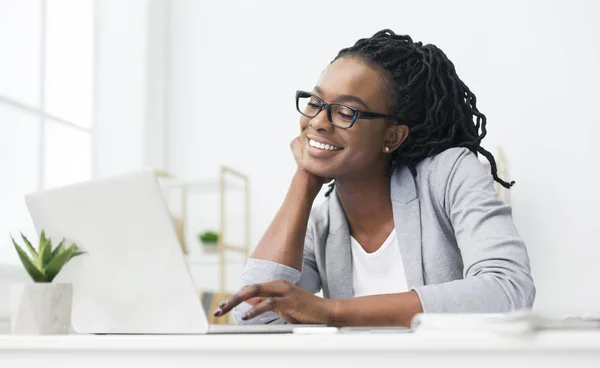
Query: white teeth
x,y
323,145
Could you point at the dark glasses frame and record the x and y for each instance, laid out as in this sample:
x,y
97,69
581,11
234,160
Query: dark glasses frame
x,y
356,113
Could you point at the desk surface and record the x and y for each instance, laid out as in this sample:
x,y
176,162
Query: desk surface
x,y
541,349
352,342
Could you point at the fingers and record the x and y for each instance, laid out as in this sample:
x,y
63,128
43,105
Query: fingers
x,y
268,289
254,301
268,304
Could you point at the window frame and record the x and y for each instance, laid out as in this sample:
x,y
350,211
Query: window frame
x,y
42,115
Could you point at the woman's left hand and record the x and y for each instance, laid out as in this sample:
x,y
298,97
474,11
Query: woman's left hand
x,y
293,304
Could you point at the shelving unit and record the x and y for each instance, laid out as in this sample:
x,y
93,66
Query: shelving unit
x,y
220,187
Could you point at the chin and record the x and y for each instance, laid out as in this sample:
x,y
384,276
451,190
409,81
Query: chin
x,y
319,168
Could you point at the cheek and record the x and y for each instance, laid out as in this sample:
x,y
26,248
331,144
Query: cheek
x,y
361,141
364,146
304,122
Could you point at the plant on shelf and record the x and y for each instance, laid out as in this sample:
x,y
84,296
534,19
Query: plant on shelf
x,y
209,240
44,307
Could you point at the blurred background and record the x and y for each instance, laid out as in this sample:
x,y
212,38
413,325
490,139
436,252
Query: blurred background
x,y
93,88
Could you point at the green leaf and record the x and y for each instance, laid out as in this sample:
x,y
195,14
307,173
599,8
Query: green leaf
x,y
29,246
57,263
35,273
77,253
42,237
45,253
61,246
58,248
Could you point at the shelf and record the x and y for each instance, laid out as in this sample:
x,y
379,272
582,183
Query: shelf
x,y
228,179
207,184
211,259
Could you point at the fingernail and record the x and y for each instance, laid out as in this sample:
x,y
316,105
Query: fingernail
x,y
245,316
222,304
217,313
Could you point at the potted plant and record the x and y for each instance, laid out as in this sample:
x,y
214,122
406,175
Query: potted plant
x,y
209,240
43,307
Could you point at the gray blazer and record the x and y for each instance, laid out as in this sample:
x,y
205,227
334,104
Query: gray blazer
x,y
460,249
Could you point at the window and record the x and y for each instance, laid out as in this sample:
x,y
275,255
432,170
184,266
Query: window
x,y
46,103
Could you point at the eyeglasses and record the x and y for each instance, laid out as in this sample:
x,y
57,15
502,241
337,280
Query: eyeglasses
x,y
339,115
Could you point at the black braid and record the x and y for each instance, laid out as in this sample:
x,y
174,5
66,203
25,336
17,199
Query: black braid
x,y
427,96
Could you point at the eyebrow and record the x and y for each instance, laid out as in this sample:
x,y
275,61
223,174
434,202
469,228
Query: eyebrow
x,y
346,98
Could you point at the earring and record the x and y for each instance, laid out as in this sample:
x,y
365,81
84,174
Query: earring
x,y
386,149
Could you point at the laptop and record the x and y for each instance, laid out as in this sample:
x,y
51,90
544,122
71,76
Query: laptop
x,y
134,278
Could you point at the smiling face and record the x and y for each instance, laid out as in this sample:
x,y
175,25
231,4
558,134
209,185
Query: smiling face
x,y
345,153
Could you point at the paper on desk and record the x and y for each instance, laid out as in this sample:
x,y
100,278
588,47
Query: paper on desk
x,y
519,322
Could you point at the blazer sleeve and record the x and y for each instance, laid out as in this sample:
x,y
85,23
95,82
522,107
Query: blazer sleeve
x,y
260,270
496,274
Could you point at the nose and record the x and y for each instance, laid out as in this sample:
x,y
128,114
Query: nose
x,y
320,123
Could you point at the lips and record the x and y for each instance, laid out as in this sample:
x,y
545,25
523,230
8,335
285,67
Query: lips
x,y
321,149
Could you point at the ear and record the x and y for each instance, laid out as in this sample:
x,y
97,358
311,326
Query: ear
x,y
394,136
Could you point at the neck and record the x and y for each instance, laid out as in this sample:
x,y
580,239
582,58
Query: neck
x,y
366,203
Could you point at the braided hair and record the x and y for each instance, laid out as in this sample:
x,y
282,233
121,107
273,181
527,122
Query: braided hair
x,y
426,95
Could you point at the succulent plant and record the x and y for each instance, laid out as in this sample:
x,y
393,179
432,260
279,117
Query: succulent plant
x,y
45,263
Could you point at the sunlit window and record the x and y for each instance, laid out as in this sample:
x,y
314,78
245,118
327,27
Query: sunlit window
x,y
46,103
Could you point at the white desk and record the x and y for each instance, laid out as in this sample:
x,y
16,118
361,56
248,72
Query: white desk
x,y
574,349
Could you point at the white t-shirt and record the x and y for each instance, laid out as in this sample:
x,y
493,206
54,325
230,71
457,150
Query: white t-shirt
x,y
380,272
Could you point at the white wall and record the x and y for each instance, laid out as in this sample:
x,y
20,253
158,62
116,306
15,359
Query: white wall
x,y
234,67
120,84
129,93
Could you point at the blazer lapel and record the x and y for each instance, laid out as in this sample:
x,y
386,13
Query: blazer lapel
x,y
338,254
407,221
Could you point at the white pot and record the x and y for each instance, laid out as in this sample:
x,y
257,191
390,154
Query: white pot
x,y
41,308
210,247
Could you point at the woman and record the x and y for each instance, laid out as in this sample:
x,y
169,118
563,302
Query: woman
x,y
413,223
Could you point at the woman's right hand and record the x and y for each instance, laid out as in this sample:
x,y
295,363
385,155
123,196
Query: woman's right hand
x,y
296,146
